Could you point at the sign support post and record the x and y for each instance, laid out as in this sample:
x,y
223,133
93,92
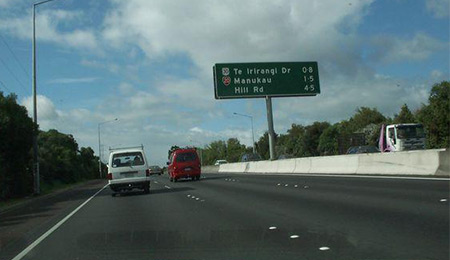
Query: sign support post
x,y
271,131
266,80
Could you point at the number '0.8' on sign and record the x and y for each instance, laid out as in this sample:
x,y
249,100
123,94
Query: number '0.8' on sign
x,y
307,70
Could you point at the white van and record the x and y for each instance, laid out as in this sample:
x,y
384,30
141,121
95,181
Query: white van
x,y
128,169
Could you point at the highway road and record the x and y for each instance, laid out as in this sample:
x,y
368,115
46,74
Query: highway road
x,y
238,216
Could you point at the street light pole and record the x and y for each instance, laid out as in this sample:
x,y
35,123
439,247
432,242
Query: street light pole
x,y
37,188
253,135
99,146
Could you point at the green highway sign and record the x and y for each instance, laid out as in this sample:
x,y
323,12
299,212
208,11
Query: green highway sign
x,y
272,79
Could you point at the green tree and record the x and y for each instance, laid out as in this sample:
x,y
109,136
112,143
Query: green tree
x,y
405,116
295,144
214,151
262,146
173,148
234,150
328,141
59,159
436,116
363,117
89,163
312,136
16,135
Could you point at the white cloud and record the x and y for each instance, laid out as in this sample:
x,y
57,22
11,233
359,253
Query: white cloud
x,y
73,80
196,130
392,49
45,108
246,31
114,68
5,3
47,23
439,8
126,88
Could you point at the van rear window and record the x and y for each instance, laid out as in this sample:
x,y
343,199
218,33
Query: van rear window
x,y
186,157
127,159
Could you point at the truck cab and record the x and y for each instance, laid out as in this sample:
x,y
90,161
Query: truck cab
x,y
402,137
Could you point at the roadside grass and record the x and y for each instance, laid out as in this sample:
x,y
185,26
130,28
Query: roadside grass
x,y
46,189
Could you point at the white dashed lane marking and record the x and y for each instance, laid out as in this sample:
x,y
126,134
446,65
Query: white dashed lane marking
x,y
443,200
167,187
272,228
195,198
324,248
294,236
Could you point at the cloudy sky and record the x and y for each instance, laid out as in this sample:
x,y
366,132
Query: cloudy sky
x,y
149,63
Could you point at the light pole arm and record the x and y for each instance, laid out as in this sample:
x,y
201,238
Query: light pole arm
x,y
253,132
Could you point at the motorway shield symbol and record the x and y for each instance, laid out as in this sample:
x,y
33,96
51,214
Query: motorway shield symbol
x,y
225,71
226,80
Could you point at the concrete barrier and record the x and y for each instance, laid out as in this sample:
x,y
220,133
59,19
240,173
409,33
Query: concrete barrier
x,y
266,166
286,166
422,162
233,167
342,164
302,165
210,169
410,163
444,163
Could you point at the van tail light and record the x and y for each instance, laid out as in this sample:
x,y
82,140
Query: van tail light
x,y
147,172
109,176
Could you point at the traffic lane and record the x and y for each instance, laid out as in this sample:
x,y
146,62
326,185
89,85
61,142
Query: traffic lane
x,y
392,224
23,224
416,197
198,233
411,195
417,189
161,225
197,221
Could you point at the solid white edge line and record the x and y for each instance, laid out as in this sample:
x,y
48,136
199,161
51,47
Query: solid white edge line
x,y
51,230
343,175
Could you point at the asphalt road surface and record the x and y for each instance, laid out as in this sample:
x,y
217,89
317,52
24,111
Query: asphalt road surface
x,y
237,216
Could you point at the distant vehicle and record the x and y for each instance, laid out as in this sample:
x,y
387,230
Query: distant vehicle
x,y
128,169
249,157
184,163
219,162
362,149
401,137
155,169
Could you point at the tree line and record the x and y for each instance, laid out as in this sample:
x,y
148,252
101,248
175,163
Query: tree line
x,y
323,138
61,161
